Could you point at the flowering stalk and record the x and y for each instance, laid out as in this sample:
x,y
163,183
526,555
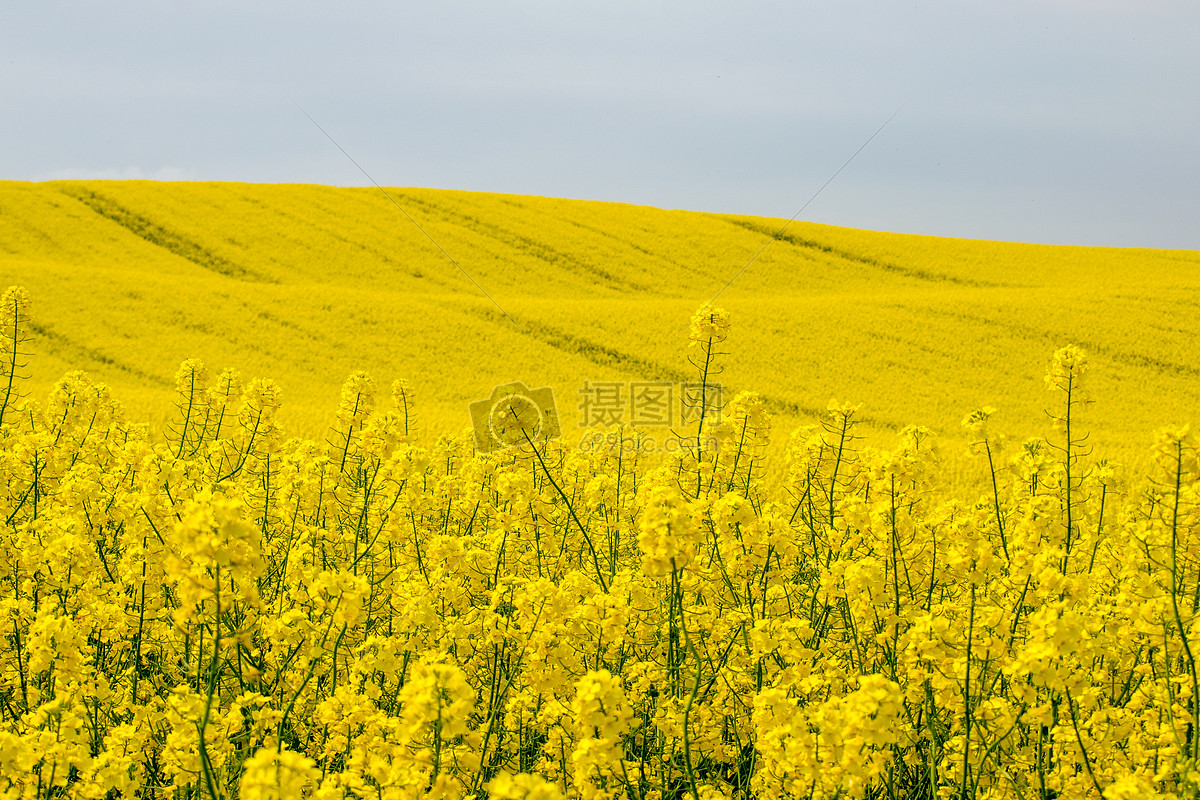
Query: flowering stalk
x,y
14,321
709,328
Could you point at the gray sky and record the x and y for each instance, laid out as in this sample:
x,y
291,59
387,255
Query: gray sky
x,y
1064,121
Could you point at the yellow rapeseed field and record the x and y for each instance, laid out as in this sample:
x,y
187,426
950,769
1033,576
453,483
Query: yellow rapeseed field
x,y
306,284
789,596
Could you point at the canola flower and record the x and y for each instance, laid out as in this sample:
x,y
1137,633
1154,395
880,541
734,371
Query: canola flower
x,y
224,612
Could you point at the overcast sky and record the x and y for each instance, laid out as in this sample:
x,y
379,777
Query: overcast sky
x,y
1063,121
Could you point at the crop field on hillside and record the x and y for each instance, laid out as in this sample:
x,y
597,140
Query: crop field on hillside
x,y
306,284
280,522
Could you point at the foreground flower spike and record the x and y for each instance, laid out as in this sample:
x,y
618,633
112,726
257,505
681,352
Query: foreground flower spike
x,y
709,325
273,774
14,336
709,328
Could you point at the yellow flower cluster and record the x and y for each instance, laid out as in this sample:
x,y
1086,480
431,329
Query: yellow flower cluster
x,y
226,613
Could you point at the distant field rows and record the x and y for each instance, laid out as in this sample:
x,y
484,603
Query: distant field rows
x,y
305,284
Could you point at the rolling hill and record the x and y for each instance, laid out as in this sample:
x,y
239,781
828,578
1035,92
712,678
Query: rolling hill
x,y
305,284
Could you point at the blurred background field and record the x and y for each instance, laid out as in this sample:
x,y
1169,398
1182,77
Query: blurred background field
x,y
306,283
